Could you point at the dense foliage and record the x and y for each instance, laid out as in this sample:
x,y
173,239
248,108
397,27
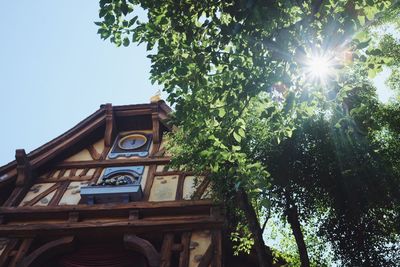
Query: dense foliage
x,y
271,136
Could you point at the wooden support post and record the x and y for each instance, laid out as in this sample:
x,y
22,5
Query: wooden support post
x,y
216,240
179,189
207,257
110,126
184,255
23,168
149,182
4,257
156,128
166,250
22,251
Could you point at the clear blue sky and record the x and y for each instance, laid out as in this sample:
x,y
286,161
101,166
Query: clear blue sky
x,y
55,71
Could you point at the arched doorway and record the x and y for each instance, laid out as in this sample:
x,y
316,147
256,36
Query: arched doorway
x,y
131,251
100,255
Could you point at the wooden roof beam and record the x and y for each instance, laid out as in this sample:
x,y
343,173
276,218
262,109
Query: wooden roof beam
x,y
110,131
24,170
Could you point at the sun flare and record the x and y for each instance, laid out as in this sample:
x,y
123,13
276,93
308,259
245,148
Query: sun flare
x,y
320,67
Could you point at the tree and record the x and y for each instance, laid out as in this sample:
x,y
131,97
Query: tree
x,y
221,62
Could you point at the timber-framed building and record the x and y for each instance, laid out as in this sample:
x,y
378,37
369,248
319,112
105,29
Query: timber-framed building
x,y
102,194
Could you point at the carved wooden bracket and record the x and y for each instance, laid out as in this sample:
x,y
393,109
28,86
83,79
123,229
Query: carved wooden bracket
x,y
48,250
110,126
24,172
144,247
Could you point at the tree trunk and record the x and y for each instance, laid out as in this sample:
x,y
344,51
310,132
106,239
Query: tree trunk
x,y
264,259
293,220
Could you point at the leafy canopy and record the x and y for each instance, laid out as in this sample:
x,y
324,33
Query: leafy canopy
x,y
235,71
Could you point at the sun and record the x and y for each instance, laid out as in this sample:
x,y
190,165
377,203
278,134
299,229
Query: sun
x,y
320,67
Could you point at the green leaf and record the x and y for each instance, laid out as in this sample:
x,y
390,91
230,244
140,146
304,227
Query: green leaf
x,y
241,132
109,19
372,73
237,137
126,41
103,12
104,2
236,148
221,112
124,9
361,19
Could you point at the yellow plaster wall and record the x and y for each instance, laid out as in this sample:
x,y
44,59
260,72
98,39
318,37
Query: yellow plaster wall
x,y
35,190
164,168
82,155
199,243
90,172
72,195
164,188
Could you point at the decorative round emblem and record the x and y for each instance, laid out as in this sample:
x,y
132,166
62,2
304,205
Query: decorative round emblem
x,y
119,179
132,141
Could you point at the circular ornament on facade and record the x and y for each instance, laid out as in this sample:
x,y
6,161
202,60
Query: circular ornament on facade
x,y
119,179
132,141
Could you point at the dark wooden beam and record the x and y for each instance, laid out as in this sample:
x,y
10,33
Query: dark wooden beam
x,y
156,128
144,247
48,250
216,240
65,142
114,163
59,194
140,205
149,216
24,172
173,223
23,249
184,255
6,254
110,126
166,250
129,113
34,200
23,181
207,257
201,188
93,152
149,182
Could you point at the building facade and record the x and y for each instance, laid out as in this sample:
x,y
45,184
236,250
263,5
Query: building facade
x,y
102,194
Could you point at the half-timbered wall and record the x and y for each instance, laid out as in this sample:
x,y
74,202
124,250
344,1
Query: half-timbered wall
x,y
61,186
173,225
